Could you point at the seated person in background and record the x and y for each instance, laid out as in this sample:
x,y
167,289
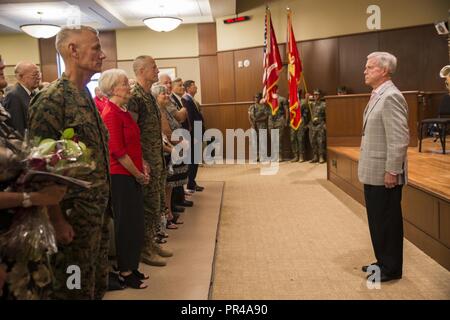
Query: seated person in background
x,y
341,91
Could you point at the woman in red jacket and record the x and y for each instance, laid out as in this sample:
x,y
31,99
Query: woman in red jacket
x,y
128,173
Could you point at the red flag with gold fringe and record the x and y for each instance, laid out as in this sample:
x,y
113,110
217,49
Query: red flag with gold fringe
x,y
294,75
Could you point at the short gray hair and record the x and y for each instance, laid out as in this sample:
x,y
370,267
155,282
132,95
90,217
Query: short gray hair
x,y
109,80
139,63
385,60
157,89
66,32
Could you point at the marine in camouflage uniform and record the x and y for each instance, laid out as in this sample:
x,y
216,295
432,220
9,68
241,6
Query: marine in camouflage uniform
x,y
298,137
258,113
317,128
143,107
279,121
62,105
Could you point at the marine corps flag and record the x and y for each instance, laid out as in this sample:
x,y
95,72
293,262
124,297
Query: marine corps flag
x,y
272,64
294,74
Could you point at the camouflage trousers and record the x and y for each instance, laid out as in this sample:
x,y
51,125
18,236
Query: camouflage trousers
x,y
87,254
258,148
298,139
280,126
318,139
154,204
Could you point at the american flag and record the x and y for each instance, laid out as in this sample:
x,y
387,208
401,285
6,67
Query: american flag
x,y
272,64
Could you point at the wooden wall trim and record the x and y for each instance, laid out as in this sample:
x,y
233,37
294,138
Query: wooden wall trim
x,y
226,103
170,58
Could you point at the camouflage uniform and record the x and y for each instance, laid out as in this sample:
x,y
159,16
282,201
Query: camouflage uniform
x,y
317,129
278,121
143,107
298,136
54,109
258,114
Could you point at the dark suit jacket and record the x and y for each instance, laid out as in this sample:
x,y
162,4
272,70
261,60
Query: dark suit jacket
x,y
185,123
193,112
16,103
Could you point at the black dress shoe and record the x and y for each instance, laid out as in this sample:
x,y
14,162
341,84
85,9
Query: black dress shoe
x,y
364,268
186,203
198,188
178,209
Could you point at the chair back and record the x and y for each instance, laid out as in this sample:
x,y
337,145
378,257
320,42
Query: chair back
x,y
444,107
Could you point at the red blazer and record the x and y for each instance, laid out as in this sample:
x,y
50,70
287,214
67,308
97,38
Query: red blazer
x,y
124,138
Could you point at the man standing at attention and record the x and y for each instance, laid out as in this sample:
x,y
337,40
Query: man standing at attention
x,y
81,220
382,163
145,111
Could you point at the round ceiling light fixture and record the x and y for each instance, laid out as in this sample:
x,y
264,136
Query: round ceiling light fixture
x,y
162,24
40,30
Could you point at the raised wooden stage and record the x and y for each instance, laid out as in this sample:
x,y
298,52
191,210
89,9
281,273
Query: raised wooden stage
x,y
426,198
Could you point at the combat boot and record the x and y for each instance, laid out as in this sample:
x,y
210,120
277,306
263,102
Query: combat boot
x,y
321,159
301,158
163,252
153,260
295,158
315,159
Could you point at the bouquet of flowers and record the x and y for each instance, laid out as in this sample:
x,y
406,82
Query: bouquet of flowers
x,y
29,166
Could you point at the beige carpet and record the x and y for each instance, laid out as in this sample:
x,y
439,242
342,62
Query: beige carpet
x,y
295,235
187,275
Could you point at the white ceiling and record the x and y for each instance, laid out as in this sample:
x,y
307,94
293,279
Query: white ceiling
x,y
109,14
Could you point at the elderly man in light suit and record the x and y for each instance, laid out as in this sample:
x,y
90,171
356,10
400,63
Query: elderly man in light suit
x,y
382,163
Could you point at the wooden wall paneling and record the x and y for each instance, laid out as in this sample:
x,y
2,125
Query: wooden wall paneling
x,y
420,209
404,44
433,56
209,79
353,52
321,64
444,222
207,36
109,47
283,89
47,55
430,107
427,244
344,116
226,79
412,100
248,80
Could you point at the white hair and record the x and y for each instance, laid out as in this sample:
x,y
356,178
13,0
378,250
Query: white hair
x,y
109,80
162,75
157,89
385,60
